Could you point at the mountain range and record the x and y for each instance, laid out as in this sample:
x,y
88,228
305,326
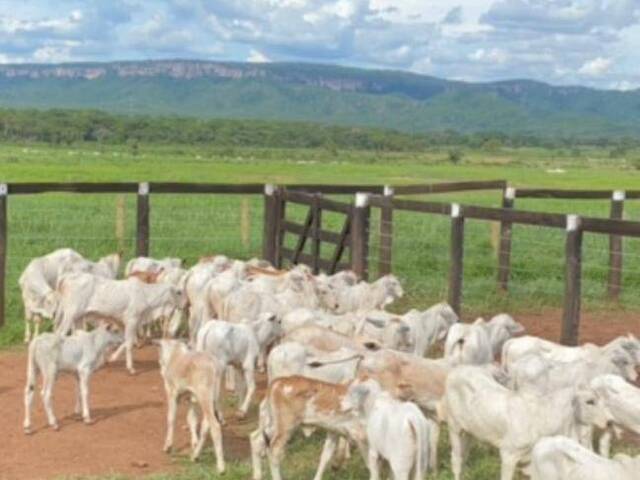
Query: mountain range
x,y
322,93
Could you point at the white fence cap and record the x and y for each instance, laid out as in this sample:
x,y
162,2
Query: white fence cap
x,y
362,199
388,191
143,188
573,222
618,195
269,189
3,189
455,210
510,193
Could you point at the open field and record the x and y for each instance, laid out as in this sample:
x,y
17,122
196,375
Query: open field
x,y
190,226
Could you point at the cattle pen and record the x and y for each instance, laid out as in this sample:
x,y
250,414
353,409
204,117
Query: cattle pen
x,y
461,241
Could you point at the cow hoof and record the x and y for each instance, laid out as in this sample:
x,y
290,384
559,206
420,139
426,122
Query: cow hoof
x,y
240,415
167,449
27,431
55,427
132,371
89,421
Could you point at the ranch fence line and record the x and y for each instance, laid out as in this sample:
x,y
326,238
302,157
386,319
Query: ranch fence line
x,y
352,240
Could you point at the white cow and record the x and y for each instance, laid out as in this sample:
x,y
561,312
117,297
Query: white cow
x,y
293,358
396,431
131,303
151,265
474,403
540,374
623,401
239,346
479,343
369,296
518,347
39,279
81,353
561,458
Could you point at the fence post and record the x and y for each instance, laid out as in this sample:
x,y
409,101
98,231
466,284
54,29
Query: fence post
x,y
4,190
615,247
281,206
457,255
316,225
270,232
386,232
573,273
142,230
504,252
360,235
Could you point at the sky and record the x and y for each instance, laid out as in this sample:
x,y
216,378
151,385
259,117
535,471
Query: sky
x,y
579,42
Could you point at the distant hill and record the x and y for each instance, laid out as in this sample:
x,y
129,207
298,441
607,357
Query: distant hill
x,y
323,93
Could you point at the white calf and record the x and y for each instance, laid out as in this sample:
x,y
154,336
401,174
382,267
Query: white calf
x,y
238,345
480,342
81,353
396,431
560,458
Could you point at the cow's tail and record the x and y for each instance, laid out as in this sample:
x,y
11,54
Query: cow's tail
x,y
420,432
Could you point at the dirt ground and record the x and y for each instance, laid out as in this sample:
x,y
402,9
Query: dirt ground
x,y
129,411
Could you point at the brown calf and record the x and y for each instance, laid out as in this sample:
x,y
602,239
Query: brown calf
x,y
297,401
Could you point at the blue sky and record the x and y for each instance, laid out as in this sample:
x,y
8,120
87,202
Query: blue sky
x,y
587,42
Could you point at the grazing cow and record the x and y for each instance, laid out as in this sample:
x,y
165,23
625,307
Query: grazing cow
x,y
39,279
561,458
474,403
396,431
239,346
369,296
345,324
623,401
480,342
295,401
81,353
195,374
131,303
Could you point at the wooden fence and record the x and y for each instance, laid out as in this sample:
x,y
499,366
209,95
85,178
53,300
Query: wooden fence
x,y
574,225
353,237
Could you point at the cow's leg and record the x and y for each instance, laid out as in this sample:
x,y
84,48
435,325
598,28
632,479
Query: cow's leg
x,y
83,380
27,327
211,424
78,408
192,421
37,320
130,335
250,387
230,384
172,408
118,353
28,405
457,440
328,451
218,392
373,464
604,444
48,381
258,448
434,439
509,462
277,451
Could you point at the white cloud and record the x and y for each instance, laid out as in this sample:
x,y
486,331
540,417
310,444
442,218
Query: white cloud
x,y
596,67
493,55
257,57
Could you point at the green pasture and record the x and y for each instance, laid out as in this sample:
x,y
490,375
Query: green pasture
x,y
190,226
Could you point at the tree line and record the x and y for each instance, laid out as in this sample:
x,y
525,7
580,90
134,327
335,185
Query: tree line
x,y
66,127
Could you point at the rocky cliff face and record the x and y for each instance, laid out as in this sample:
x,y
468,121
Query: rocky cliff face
x,y
179,69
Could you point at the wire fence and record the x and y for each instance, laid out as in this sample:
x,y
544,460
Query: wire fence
x,y
95,225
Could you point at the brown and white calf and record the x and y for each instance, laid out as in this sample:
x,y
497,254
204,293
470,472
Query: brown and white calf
x,y
292,402
186,372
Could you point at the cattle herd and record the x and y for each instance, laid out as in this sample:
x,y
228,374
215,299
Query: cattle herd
x,y
336,360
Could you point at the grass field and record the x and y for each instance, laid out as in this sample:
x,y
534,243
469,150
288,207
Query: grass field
x,y
191,226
